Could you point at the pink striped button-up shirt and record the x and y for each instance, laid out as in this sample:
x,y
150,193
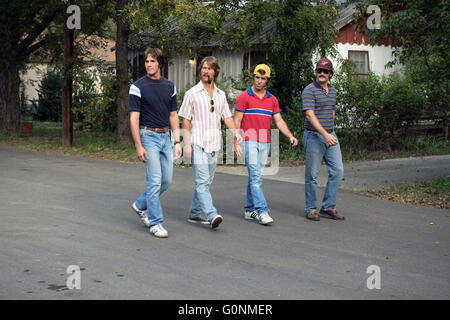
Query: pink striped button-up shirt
x,y
205,125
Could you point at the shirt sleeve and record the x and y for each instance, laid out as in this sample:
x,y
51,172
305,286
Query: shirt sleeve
x,y
308,99
226,113
173,100
186,107
241,103
276,106
134,100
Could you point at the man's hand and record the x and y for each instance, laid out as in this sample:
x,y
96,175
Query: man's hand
x,y
142,154
237,149
330,139
293,140
178,151
238,138
188,151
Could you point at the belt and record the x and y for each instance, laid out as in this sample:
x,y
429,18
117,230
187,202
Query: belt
x,y
159,130
327,130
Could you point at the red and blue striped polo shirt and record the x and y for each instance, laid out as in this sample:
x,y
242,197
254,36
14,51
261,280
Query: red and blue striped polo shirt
x,y
258,113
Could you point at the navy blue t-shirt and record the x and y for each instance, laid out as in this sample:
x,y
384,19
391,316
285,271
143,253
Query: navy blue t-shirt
x,y
154,100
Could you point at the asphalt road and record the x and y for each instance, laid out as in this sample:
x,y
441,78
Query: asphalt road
x,y
57,211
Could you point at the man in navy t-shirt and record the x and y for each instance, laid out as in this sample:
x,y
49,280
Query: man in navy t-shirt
x,y
153,106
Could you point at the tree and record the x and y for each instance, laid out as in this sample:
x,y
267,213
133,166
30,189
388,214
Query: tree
x,y
36,27
123,30
418,31
22,26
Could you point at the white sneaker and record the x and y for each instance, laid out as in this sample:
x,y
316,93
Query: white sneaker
x,y
142,215
216,221
262,218
159,231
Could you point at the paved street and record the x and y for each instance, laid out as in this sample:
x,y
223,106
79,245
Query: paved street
x,y
58,211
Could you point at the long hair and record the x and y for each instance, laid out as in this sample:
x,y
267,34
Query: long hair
x,y
213,63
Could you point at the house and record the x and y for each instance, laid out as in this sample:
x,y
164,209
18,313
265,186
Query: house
x,y
354,45
350,44
96,50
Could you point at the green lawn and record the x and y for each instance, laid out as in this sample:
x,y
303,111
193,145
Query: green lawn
x,y
47,136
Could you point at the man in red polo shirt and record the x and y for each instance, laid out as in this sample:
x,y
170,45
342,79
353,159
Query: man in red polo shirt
x,y
254,111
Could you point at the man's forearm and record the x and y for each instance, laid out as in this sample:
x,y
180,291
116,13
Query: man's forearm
x,y
186,124
282,126
175,124
312,118
134,127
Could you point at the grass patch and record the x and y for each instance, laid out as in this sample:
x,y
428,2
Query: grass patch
x,y
47,136
431,193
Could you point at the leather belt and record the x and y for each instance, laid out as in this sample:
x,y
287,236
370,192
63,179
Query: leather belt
x,y
327,130
159,130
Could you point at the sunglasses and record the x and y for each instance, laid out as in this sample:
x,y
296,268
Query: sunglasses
x,y
319,71
212,106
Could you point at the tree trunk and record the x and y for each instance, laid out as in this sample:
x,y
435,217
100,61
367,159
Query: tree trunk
x,y
123,122
9,98
67,138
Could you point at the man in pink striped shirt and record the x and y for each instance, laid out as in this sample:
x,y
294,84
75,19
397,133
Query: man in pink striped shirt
x,y
203,108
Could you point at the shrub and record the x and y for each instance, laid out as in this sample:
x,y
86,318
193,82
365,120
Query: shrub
x,y
376,111
48,106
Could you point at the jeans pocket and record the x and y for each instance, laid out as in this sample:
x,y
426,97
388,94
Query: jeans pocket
x,y
147,133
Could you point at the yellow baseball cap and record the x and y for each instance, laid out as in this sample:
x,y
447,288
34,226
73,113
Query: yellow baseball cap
x,y
265,68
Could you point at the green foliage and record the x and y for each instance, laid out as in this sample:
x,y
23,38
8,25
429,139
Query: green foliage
x,y
418,31
376,111
94,110
49,104
100,113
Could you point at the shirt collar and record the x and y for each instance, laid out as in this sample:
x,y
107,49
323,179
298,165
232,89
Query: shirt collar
x,y
320,87
251,93
199,87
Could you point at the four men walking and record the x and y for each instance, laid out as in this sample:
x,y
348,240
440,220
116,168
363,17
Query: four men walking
x,y
153,106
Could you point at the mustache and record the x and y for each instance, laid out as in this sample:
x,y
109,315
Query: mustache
x,y
209,77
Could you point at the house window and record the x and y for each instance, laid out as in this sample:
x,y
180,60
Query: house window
x,y
361,61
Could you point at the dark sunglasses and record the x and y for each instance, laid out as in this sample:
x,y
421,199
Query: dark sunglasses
x,y
212,106
319,71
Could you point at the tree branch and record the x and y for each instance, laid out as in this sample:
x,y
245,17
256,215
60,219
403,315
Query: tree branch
x,y
24,46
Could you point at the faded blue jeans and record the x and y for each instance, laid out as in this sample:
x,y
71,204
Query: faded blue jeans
x,y
256,154
204,165
159,172
317,149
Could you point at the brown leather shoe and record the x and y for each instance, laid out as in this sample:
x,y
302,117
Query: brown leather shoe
x,y
313,215
333,214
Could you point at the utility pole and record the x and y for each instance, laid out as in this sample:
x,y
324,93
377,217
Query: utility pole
x,y
67,139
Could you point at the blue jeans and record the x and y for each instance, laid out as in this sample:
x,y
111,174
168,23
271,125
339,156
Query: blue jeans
x,y
159,171
317,149
204,165
256,154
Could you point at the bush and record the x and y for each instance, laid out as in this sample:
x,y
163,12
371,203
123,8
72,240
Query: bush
x,y
94,111
376,111
48,106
